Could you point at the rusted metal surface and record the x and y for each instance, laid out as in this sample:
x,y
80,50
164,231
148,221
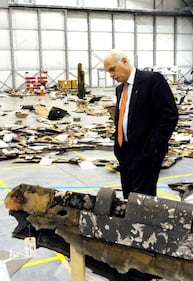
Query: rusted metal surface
x,y
150,234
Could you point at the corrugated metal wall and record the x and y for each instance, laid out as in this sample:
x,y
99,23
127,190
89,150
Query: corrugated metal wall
x,y
56,40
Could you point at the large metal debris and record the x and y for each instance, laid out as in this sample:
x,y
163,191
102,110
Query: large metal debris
x,y
151,234
81,82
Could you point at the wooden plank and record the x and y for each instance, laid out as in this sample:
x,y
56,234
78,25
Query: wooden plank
x,y
77,263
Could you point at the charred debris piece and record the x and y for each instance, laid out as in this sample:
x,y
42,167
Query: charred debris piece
x,y
153,235
185,189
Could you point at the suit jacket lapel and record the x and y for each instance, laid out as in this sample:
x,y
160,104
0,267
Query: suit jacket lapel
x,y
119,91
134,95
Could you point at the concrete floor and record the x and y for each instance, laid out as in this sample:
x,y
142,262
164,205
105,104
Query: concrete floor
x,y
48,265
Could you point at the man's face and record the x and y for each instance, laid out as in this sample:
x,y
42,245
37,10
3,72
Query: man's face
x,y
117,70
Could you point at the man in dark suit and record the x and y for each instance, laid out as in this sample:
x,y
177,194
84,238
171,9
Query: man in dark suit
x,y
150,116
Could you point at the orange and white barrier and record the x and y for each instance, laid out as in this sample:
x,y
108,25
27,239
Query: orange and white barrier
x,y
33,83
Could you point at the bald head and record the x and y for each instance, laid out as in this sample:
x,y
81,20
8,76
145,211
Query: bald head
x,y
118,65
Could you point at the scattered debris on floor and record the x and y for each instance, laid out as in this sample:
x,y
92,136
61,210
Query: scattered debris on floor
x,y
59,131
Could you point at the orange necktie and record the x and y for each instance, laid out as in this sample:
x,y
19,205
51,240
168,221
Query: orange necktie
x,y
121,114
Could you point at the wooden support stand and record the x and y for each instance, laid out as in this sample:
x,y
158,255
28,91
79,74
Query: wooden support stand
x,y
77,263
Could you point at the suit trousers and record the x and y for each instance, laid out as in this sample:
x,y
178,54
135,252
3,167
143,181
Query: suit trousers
x,y
139,174
142,179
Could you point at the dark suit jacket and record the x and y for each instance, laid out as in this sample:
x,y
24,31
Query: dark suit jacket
x,y
153,116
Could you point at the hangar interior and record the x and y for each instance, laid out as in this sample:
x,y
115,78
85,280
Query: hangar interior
x,y
43,43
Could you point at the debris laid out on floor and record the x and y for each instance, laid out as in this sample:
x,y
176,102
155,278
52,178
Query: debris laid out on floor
x,y
60,131
185,190
158,239
20,114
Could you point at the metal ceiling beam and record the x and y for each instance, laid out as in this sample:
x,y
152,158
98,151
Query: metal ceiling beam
x,y
154,12
188,2
188,7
